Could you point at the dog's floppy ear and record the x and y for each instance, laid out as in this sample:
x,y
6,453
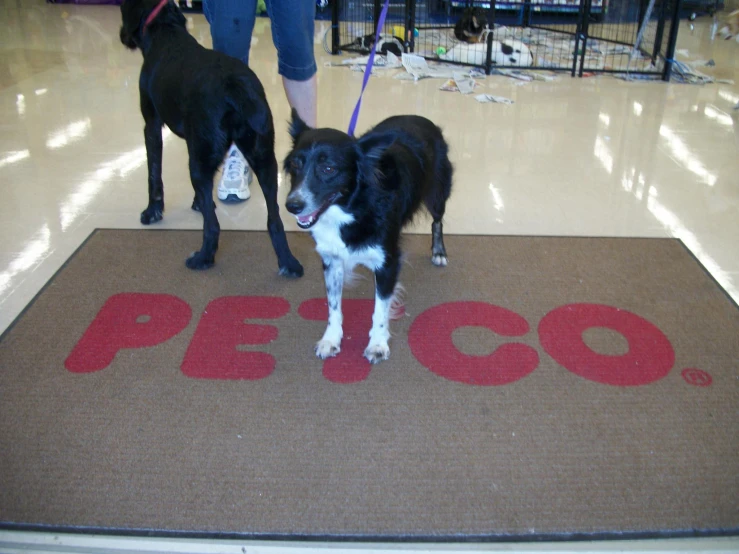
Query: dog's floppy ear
x,y
132,15
373,145
297,126
371,148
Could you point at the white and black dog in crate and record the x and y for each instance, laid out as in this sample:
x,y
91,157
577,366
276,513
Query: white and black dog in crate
x,y
355,196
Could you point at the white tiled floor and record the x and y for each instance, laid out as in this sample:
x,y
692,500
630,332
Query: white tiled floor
x,y
594,156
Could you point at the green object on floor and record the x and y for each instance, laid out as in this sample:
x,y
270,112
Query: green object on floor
x,y
261,7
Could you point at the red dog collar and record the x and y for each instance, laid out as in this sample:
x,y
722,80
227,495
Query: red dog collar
x,y
154,13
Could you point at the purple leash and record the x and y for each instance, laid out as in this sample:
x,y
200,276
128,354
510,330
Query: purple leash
x,y
368,69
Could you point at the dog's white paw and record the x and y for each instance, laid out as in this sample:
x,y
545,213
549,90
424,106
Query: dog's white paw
x,y
376,353
439,260
327,349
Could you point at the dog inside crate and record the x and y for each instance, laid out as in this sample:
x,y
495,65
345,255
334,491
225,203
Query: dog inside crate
x,y
539,33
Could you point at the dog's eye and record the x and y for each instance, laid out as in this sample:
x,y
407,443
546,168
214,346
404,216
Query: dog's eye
x,y
328,170
296,163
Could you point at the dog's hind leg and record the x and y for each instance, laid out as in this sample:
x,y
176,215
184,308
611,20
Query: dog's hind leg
x,y
262,160
436,204
386,279
153,140
204,161
438,250
330,343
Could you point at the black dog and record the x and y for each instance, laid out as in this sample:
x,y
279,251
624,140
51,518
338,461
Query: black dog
x,y
387,44
470,26
355,196
210,100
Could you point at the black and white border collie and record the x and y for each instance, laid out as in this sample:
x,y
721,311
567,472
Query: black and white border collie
x,y
355,196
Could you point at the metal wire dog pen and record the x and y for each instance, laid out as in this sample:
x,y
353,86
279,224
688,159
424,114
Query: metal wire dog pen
x,y
579,36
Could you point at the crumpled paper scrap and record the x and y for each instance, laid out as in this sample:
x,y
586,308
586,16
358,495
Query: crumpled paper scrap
x,y
492,98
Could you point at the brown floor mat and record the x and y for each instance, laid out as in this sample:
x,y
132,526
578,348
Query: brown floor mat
x,y
537,388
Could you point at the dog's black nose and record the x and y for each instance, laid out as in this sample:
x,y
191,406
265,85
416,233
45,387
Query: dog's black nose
x,y
295,205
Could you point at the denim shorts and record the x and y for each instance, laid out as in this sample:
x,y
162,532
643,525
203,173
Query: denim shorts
x,y
232,23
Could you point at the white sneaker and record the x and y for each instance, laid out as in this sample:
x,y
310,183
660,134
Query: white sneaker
x,y
235,179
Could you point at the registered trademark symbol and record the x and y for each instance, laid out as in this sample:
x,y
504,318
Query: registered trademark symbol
x,y
696,377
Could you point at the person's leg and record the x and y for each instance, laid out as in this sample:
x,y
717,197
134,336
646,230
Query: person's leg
x,y
303,96
293,28
231,25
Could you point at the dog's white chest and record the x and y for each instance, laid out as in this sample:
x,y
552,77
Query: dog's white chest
x,y
326,233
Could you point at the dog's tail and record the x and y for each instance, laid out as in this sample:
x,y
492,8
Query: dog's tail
x,y
249,108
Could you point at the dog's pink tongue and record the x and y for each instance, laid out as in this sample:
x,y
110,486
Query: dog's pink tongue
x,y
306,219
